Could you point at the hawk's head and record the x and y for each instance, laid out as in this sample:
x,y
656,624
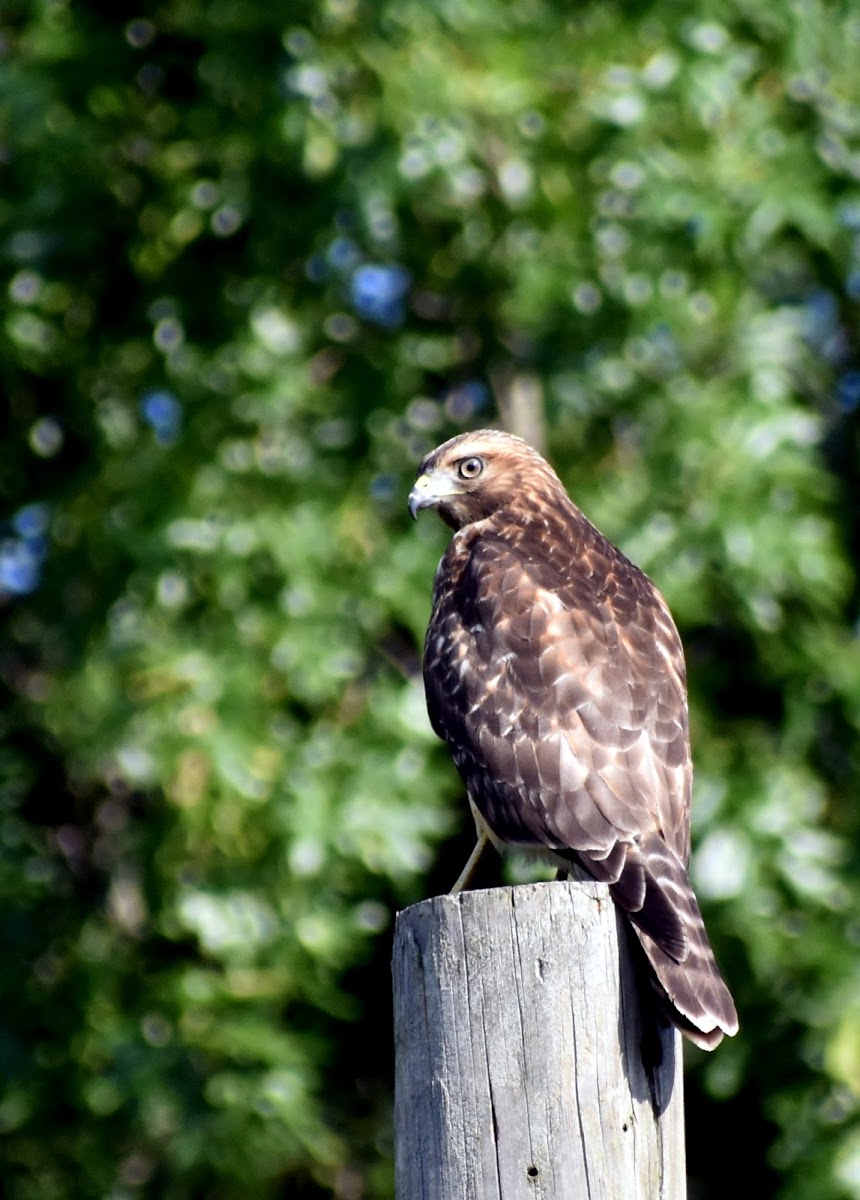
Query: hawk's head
x,y
474,475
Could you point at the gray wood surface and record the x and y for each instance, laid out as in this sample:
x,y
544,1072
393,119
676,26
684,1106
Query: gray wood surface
x,y
519,1070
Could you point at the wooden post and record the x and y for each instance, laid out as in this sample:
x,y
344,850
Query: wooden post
x,y
519,1072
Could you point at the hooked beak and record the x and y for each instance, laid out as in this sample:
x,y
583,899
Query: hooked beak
x,y
431,489
421,496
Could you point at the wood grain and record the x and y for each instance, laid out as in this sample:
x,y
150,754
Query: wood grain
x,y
518,1037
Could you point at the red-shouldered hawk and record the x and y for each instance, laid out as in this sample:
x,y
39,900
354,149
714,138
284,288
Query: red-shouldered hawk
x,y
554,671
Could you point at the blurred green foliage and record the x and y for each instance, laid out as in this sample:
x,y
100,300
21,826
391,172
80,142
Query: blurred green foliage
x,y
256,259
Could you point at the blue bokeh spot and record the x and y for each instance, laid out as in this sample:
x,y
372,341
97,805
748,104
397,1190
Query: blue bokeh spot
x,y
378,293
163,413
20,568
848,391
32,521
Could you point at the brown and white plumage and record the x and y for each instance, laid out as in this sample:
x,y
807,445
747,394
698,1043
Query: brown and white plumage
x,y
554,672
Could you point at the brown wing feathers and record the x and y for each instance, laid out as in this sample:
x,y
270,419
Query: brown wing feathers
x,y
554,672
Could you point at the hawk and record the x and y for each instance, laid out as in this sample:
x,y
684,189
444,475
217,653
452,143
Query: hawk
x,y
554,672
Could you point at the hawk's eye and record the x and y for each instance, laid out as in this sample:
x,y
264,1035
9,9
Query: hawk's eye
x,y
471,468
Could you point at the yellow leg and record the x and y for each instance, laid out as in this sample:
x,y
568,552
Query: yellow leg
x,y
470,867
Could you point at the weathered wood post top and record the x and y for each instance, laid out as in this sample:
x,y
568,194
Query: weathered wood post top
x,y
519,1073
